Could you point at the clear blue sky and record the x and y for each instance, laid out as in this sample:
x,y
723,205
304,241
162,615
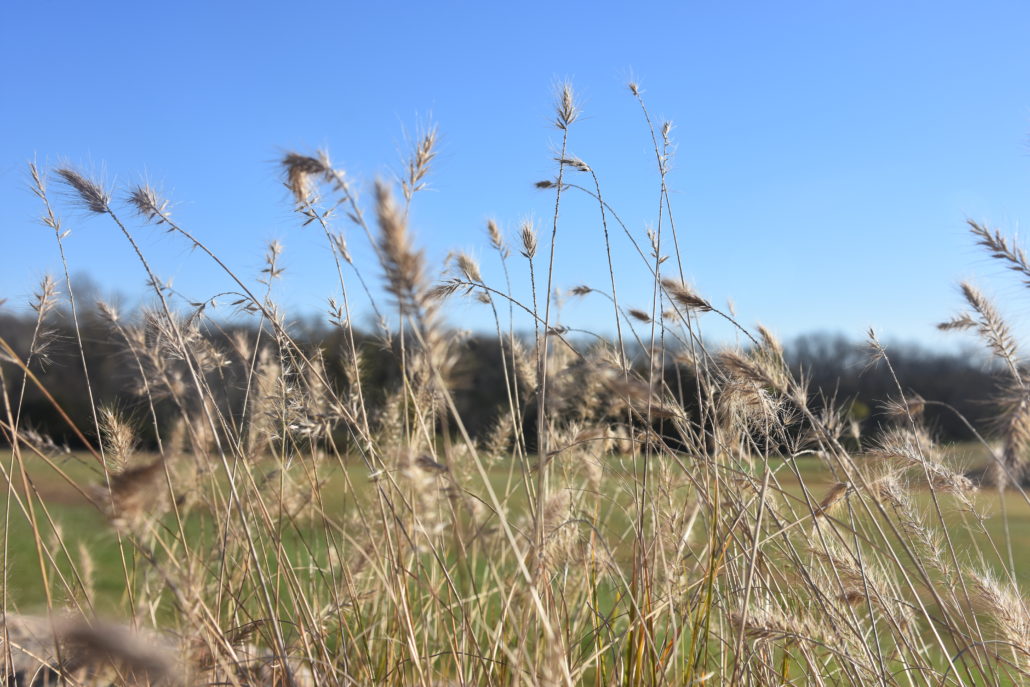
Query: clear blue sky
x,y
828,152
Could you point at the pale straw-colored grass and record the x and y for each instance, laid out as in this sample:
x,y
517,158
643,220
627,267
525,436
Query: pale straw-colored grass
x,y
634,515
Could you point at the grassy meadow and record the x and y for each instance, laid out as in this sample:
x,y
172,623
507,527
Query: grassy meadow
x,y
646,510
74,517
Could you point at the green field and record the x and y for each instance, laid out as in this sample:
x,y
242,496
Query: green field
x,y
61,508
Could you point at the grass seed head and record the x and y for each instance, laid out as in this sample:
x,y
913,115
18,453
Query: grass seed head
x,y
469,267
528,235
87,192
685,296
638,314
567,109
302,172
148,203
496,238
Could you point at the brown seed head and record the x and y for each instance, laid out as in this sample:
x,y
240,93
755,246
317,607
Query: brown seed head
x,y
148,203
90,194
469,267
992,328
685,296
568,111
341,245
403,263
496,238
118,436
771,342
573,162
638,314
418,164
961,322
528,235
46,297
301,171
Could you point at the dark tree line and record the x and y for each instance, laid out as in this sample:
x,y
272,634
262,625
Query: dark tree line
x,y
956,386
476,378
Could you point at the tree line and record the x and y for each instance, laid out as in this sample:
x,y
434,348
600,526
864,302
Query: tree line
x,y
955,389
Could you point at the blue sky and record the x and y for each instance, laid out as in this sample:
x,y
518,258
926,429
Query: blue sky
x,y
827,154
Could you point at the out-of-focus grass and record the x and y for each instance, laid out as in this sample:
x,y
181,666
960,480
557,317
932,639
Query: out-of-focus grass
x,y
85,531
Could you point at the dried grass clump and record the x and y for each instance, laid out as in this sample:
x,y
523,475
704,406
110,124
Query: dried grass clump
x,y
643,509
